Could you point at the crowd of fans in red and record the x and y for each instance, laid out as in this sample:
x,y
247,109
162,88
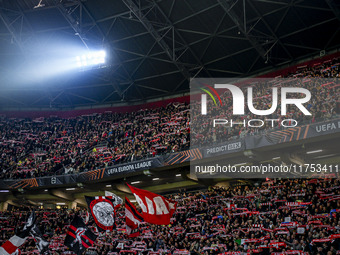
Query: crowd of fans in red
x,y
41,147
277,217
324,104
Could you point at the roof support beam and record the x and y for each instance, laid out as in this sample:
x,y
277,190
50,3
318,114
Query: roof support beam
x,y
182,39
331,39
10,28
86,98
120,93
73,23
334,7
213,36
148,25
241,25
77,27
145,56
217,34
306,28
269,28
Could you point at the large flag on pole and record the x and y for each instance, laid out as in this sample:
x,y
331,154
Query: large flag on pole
x,y
12,245
156,208
102,210
79,237
132,218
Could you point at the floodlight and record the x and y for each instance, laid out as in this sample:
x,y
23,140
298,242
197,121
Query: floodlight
x,y
86,60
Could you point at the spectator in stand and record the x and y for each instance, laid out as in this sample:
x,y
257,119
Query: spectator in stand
x,y
217,220
323,105
42,147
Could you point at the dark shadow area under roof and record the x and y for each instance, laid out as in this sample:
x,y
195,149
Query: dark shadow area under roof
x,y
153,46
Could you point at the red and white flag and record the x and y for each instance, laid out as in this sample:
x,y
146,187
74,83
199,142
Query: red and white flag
x,y
156,209
12,245
132,218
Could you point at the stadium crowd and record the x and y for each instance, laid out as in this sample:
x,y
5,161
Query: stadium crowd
x,y
41,147
324,104
277,217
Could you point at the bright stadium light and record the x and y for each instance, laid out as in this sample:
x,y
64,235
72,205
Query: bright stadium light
x,y
135,182
311,152
91,59
102,54
70,188
155,179
178,175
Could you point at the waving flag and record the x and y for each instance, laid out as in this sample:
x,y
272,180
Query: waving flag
x,y
133,218
12,245
156,209
79,237
40,241
116,199
102,210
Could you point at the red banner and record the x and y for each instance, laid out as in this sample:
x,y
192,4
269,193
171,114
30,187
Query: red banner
x,y
156,209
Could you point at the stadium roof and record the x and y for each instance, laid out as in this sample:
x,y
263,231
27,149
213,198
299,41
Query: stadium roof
x,y
154,47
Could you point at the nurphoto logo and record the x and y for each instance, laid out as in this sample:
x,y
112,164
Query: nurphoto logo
x,y
239,104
